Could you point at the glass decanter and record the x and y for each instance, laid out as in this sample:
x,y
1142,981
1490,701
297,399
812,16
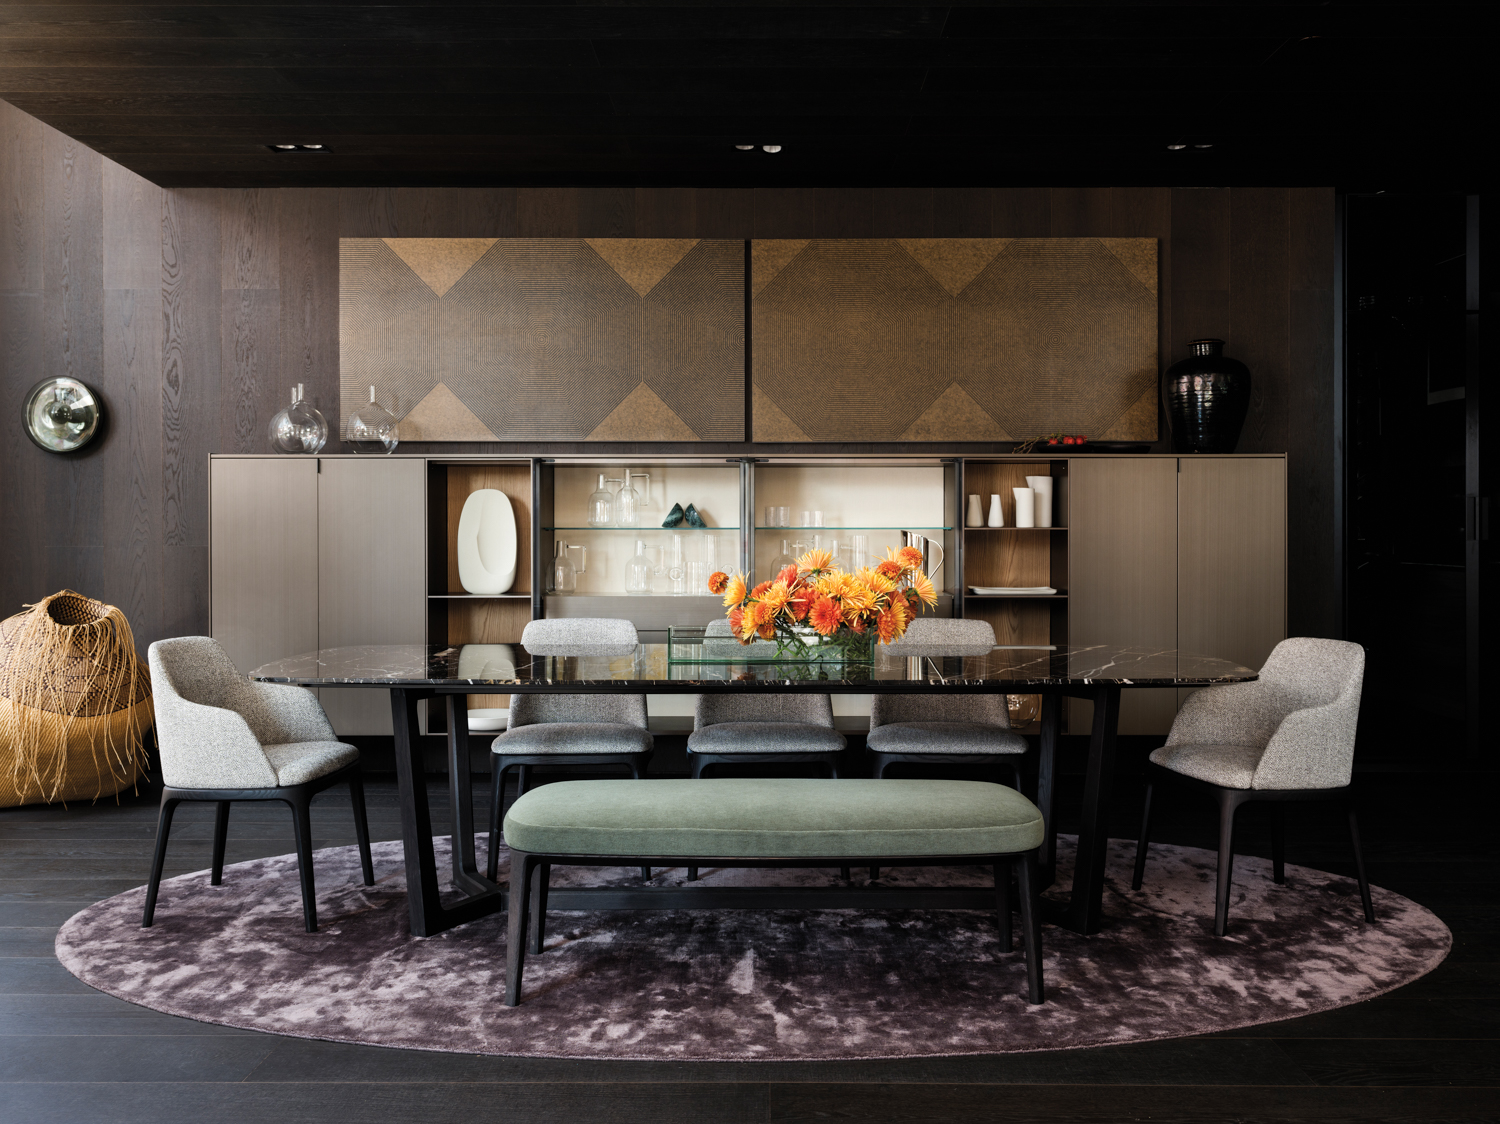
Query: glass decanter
x,y
602,505
564,574
629,502
373,428
639,570
783,560
299,428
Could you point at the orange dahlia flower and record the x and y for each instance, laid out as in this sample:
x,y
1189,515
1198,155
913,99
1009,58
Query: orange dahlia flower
x,y
788,574
890,568
760,591
815,561
922,586
717,581
824,616
910,558
776,597
885,626
734,592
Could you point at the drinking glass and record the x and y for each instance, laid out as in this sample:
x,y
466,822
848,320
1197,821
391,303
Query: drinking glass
x,y
783,517
697,577
817,519
771,517
859,551
804,519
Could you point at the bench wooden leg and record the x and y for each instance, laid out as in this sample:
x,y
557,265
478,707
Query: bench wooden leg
x,y
1031,925
521,868
539,906
1002,905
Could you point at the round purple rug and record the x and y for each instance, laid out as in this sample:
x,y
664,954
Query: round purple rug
x,y
746,985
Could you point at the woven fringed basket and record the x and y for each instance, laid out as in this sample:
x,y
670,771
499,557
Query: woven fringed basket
x,y
75,702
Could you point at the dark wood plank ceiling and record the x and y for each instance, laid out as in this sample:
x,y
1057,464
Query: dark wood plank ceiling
x,y
192,94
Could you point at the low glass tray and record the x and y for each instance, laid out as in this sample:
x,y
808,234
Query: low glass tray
x,y
690,644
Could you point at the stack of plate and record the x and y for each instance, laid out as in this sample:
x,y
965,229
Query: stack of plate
x,y
1012,590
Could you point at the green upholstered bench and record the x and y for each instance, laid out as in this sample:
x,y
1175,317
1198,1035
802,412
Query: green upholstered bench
x,y
770,822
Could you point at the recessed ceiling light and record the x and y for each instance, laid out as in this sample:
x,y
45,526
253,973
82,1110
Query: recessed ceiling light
x,y
314,147
771,147
285,147
1202,146
745,147
303,149
1175,147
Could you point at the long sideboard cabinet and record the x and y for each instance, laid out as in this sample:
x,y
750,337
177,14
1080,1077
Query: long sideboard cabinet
x,y
1162,551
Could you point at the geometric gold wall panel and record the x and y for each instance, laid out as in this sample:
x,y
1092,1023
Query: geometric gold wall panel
x,y
546,339
953,339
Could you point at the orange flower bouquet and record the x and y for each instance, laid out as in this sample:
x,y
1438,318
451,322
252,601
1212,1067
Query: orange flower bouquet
x,y
813,610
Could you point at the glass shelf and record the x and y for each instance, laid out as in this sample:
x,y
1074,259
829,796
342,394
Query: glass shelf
x,y
1015,596
644,527
1014,528
842,527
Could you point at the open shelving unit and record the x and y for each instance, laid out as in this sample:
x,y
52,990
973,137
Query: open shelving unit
x,y
1017,556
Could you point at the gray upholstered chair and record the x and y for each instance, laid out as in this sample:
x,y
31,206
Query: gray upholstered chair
x,y
958,730
1289,735
746,729
224,738
961,729
761,729
569,730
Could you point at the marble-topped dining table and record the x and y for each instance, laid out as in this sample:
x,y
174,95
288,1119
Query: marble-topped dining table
x,y
414,672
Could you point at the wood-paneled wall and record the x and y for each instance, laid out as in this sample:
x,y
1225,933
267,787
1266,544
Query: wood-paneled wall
x,y
195,311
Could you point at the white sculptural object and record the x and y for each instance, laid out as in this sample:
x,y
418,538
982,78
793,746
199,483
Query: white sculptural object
x,y
487,543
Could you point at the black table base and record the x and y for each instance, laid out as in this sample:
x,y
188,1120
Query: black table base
x,y
479,897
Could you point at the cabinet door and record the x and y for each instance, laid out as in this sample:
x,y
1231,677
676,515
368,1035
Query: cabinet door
x,y
372,585
1122,572
263,558
1232,558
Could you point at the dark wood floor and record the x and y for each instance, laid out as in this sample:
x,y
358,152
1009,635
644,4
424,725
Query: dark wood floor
x,y
1426,1052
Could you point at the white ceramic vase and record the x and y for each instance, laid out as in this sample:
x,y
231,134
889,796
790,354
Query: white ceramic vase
x,y
1042,486
1025,507
975,515
487,543
997,514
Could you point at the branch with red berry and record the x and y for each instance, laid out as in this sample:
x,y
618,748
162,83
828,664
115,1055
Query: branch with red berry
x,y
1050,439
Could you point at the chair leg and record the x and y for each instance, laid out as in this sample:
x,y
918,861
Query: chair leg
x,y
515,935
497,796
1143,841
833,770
846,873
1002,905
361,826
159,858
1229,803
523,776
539,906
221,837
637,770
692,874
301,806
1031,925
1359,867
1278,844
696,765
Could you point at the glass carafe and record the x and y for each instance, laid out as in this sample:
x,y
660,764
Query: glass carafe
x,y
601,505
564,575
628,502
783,560
299,428
638,570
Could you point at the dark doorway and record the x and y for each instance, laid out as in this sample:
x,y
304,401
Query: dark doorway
x,y
1406,264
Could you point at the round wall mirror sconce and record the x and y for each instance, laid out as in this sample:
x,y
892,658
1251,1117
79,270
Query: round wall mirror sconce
x,y
62,415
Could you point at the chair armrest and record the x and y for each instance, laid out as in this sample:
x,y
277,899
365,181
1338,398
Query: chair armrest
x,y
1313,748
1232,714
208,747
280,713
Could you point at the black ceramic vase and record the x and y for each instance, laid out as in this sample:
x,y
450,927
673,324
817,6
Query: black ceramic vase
x,y
1206,395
